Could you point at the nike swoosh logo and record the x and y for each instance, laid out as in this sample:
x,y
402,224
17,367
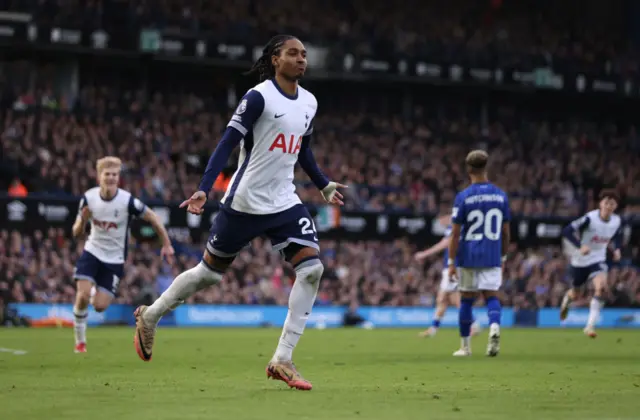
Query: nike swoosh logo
x,y
278,116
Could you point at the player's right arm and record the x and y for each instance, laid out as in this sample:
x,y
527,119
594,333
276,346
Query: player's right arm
x,y
247,113
84,214
506,228
571,232
436,249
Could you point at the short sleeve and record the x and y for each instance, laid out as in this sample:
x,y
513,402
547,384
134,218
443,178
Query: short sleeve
x,y
136,207
458,215
248,111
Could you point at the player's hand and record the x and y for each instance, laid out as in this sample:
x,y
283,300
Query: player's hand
x,y
86,214
617,255
584,249
453,273
195,202
78,230
332,195
167,252
420,256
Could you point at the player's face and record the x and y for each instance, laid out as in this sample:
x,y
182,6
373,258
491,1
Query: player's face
x,y
292,61
608,206
109,177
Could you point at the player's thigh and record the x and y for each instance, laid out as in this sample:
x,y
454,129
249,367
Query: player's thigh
x,y
600,280
453,298
467,279
489,279
102,300
107,282
294,226
86,271
230,233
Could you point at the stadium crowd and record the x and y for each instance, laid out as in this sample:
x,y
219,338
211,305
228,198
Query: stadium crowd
x,y
391,163
587,35
39,268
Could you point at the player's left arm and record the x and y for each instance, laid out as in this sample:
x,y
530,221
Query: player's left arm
x,y
138,209
506,228
617,244
308,163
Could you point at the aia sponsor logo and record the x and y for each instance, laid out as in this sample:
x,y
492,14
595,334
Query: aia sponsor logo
x,y
104,225
600,240
291,145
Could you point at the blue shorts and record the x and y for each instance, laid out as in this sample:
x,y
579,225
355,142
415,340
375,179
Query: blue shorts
x,y
105,276
581,275
232,231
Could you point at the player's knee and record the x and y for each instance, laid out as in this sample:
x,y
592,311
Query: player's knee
x,y
309,270
100,306
83,297
216,263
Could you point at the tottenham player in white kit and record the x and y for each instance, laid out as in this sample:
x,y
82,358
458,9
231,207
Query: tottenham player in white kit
x,y
272,124
448,292
101,265
591,235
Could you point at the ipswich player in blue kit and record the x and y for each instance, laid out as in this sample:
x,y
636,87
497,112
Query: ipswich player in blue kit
x,y
479,241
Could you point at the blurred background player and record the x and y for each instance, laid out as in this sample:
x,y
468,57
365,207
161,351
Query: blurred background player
x,y
273,124
590,236
479,239
101,265
448,292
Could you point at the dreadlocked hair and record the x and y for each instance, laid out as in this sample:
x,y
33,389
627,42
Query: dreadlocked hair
x,y
263,66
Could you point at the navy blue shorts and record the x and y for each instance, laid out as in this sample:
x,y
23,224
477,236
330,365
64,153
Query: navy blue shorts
x,y
581,275
105,276
232,231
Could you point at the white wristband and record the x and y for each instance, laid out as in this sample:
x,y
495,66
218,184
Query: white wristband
x,y
504,258
450,261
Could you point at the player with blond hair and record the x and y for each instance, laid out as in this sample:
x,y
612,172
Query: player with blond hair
x,y
101,265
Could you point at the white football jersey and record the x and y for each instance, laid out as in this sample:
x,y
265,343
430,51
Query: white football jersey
x,y
110,220
596,234
273,124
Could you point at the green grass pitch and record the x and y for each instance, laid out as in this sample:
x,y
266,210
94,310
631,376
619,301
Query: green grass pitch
x,y
357,374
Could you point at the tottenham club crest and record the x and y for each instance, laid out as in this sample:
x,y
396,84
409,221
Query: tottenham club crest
x,y
242,107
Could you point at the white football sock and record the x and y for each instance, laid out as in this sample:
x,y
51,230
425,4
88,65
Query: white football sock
x,y
594,312
80,324
566,300
183,286
301,300
465,343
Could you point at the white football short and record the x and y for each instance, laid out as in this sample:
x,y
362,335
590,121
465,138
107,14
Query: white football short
x,y
445,284
473,279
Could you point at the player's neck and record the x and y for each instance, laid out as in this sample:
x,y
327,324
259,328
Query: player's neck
x,y
479,179
290,87
603,217
107,193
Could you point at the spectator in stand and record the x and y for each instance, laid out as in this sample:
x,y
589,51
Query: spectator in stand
x,y
17,189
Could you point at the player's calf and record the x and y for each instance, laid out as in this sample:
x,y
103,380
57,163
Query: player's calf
x,y
465,320
566,303
80,314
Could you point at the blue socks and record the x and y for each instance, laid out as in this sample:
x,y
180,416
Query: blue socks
x,y
436,323
494,310
465,316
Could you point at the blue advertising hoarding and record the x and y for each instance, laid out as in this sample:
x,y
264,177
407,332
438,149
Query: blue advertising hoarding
x,y
330,316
